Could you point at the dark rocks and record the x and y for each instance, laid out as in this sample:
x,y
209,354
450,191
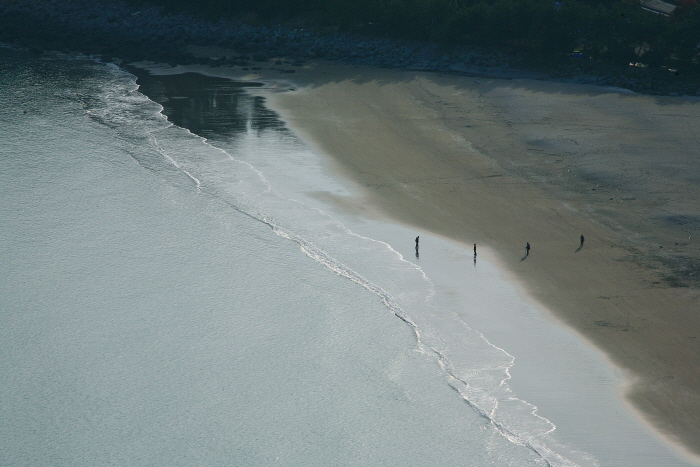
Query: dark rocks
x,y
108,28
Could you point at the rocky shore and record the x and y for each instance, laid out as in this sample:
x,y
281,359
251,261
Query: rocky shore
x,y
116,31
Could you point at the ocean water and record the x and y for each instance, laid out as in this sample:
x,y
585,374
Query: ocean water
x,y
176,292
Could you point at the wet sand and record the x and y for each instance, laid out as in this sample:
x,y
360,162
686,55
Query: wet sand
x,y
501,163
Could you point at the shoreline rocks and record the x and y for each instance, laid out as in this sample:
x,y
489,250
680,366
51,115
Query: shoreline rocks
x,y
114,30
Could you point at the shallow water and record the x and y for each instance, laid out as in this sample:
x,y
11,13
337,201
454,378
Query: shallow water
x,y
174,301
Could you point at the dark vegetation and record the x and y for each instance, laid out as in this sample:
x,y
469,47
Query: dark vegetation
x,y
604,42
543,31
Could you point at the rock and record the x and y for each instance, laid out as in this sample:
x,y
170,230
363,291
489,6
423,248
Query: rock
x,y
111,28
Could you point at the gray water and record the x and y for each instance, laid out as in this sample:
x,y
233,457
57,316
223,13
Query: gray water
x,y
168,300
145,322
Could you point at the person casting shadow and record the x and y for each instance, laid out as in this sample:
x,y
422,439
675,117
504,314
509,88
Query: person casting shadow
x,y
581,245
527,252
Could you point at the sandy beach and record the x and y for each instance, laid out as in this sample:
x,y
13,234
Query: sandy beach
x,y
502,163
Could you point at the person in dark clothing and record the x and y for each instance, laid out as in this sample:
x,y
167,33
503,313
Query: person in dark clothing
x,y
417,242
527,249
582,239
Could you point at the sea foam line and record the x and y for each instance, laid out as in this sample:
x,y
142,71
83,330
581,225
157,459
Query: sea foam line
x,y
550,456
481,400
478,398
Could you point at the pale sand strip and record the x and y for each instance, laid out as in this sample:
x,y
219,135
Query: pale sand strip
x,y
502,163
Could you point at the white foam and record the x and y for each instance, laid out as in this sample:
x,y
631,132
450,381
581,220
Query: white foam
x,y
280,196
478,369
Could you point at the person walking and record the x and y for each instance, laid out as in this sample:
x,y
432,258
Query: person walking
x,y
582,240
417,242
475,249
527,249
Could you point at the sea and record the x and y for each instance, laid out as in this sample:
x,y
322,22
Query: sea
x,y
178,290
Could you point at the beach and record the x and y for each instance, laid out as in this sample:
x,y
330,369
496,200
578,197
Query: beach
x,y
502,163
219,266
585,197
165,304
458,157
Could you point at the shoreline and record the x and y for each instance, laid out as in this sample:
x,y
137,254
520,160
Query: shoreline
x,y
601,292
393,134
116,32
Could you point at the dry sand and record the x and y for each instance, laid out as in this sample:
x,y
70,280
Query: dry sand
x,y
504,162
